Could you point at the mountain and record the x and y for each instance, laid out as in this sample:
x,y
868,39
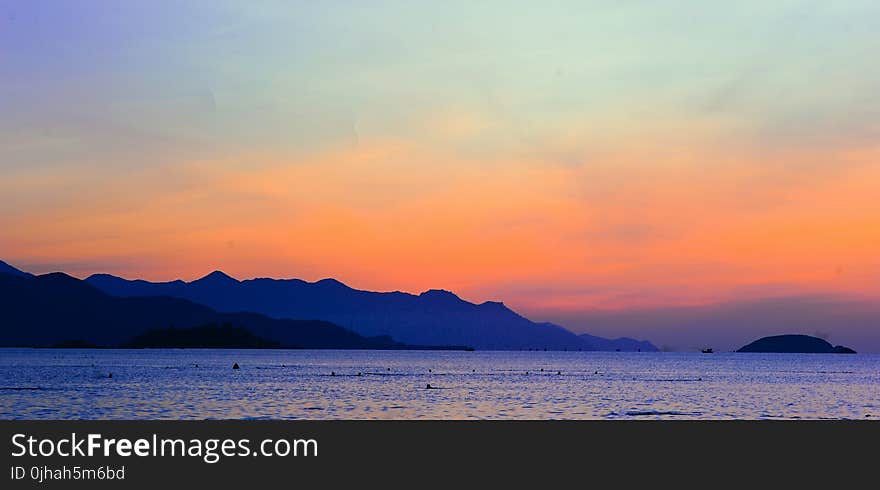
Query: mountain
x,y
8,269
57,309
434,317
210,336
621,343
795,344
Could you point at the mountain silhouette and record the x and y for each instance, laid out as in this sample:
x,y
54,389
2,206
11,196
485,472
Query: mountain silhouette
x,y
8,269
434,317
57,309
795,343
621,343
210,336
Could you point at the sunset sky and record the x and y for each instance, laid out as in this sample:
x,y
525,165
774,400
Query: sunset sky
x,y
568,158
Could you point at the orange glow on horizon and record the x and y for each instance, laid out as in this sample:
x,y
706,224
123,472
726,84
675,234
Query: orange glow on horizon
x,y
626,230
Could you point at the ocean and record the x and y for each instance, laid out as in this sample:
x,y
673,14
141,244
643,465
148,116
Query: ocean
x,y
335,384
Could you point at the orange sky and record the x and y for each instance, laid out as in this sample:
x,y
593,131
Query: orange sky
x,y
574,157
652,224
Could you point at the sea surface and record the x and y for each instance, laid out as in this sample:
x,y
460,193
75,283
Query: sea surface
x,y
323,384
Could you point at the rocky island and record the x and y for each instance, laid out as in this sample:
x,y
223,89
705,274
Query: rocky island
x,y
795,344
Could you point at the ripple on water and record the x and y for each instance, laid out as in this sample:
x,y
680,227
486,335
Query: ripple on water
x,y
197,384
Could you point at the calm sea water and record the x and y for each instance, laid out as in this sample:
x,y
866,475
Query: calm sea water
x,y
282,384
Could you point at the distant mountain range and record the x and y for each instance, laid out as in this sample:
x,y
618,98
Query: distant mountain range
x,y
57,310
435,317
108,310
622,344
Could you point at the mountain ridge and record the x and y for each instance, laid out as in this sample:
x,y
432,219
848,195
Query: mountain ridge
x,y
433,317
58,309
8,269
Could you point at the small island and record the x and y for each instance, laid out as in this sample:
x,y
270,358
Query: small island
x,y
211,336
795,344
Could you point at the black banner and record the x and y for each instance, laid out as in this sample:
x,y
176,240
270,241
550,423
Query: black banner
x,y
252,454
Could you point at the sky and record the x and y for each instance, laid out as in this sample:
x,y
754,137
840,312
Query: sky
x,y
587,162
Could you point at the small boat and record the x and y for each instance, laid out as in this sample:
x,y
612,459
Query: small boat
x,y
707,351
